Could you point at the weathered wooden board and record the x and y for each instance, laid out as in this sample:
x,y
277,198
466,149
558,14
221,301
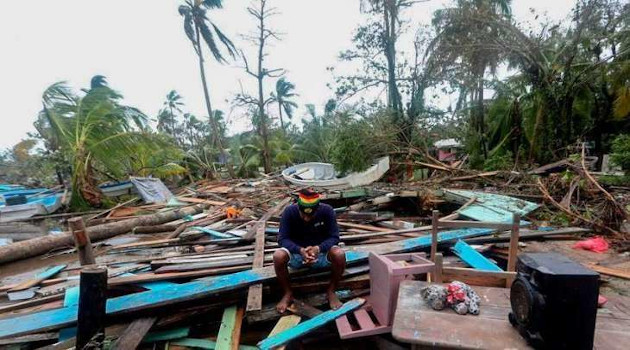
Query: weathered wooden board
x,y
284,323
48,273
473,258
417,323
229,336
309,325
133,335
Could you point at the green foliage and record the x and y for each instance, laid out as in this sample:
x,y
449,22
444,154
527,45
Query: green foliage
x,y
101,137
349,150
499,161
621,152
613,180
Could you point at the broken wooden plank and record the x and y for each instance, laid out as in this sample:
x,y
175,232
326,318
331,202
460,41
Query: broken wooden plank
x,y
254,296
480,224
473,258
48,273
284,323
303,309
363,227
170,334
230,330
625,274
309,325
30,303
27,339
134,333
202,344
529,235
279,207
269,313
200,201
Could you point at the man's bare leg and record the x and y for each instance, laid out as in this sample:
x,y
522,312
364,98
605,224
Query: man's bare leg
x,y
337,258
280,262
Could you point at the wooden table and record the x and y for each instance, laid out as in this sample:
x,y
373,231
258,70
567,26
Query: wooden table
x,y
416,323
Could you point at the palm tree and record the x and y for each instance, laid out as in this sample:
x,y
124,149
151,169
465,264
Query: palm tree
x,y
284,91
95,130
173,102
166,122
198,28
464,40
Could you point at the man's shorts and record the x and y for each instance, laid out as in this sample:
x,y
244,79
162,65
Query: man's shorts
x,y
297,262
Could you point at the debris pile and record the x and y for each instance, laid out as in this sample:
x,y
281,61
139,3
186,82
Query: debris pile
x,y
195,271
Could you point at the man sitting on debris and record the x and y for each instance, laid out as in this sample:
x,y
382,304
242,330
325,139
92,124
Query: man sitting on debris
x,y
308,238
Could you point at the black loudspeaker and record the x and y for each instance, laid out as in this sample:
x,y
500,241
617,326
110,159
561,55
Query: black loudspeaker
x,y
554,302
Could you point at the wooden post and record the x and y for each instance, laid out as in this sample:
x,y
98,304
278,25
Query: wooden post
x,y
513,252
434,233
254,295
436,277
82,241
91,315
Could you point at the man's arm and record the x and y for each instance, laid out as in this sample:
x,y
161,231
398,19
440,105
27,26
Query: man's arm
x,y
333,231
283,234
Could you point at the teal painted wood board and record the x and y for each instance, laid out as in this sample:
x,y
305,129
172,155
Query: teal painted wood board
x,y
309,325
473,258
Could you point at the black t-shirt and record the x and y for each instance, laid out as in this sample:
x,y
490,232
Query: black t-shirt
x,y
295,233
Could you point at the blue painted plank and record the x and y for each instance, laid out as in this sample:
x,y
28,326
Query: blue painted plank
x,y
309,325
71,298
473,257
50,272
212,233
205,344
67,333
72,294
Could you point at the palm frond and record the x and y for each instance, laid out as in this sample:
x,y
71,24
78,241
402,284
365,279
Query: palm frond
x,y
212,4
207,36
229,45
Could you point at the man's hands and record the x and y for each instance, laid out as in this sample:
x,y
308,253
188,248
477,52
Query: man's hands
x,y
309,254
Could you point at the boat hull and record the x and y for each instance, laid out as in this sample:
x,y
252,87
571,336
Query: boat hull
x,y
40,206
322,175
117,189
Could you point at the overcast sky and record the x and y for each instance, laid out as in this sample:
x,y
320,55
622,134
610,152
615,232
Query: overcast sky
x,y
140,46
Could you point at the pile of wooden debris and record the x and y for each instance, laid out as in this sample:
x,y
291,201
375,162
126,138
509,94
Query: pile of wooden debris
x,y
195,272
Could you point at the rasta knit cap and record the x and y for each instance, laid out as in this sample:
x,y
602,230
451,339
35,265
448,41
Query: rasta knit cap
x,y
308,201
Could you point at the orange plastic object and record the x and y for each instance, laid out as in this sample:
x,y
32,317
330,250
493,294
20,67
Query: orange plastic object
x,y
232,212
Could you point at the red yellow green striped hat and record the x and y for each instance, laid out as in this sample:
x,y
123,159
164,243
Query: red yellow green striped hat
x,y
308,201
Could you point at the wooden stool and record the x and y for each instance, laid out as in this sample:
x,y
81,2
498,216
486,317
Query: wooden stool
x,y
386,273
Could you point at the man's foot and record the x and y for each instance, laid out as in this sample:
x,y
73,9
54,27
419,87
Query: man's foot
x,y
333,301
284,303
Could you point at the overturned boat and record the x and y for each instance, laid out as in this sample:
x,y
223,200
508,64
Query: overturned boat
x,y
33,206
323,175
115,189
